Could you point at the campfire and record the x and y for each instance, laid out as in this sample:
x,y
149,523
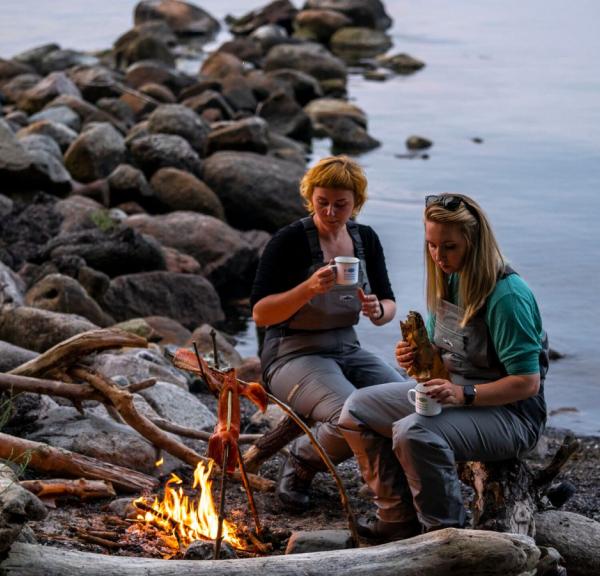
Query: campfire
x,y
187,518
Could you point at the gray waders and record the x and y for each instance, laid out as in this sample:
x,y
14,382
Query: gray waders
x,y
314,361
409,460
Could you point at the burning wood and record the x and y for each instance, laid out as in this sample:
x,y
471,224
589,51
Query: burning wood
x,y
189,518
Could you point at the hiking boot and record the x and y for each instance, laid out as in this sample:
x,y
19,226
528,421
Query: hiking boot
x,y
293,485
380,531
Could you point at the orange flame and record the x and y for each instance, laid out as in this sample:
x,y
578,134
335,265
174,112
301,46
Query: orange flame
x,y
188,518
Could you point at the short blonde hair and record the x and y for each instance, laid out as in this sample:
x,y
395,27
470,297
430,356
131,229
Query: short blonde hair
x,y
335,172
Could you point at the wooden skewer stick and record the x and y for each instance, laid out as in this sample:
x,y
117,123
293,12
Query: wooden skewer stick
x,y
219,537
249,493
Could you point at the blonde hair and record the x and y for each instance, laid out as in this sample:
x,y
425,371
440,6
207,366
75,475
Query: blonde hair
x,y
335,172
483,258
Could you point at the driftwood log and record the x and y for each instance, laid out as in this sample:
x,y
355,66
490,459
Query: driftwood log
x,y
446,552
57,487
17,506
45,458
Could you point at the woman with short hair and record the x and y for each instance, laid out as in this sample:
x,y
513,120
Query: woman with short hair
x,y
311,356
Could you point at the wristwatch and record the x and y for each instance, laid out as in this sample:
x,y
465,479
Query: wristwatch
x,y
469,392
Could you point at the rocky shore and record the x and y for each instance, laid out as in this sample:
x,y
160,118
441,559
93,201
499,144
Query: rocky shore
x,y
137,195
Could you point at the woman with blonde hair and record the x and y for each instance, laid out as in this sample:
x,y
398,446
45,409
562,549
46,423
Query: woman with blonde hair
x,y
486,325
311,356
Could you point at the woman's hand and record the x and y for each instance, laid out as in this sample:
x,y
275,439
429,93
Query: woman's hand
x,y
404,354
322,280
445,392
371,307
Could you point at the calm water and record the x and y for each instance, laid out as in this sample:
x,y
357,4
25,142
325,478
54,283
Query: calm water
x,y
524,77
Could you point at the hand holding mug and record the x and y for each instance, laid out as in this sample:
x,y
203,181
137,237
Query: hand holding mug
x,y
444,392
421,398
322,280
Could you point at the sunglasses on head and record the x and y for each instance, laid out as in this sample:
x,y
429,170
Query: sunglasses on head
x,y
451,203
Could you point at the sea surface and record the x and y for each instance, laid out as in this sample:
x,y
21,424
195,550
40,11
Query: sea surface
x,y
524,78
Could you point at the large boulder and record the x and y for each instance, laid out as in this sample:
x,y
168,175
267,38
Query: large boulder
x,y
45,90
96,152
122,251
130,365
256,191
165,150
169,331
189,299
47,169
94,436
181,121
249,134
179,190
39,330
286,117
180,406
183,18
310,57
303,87
59,293
228,260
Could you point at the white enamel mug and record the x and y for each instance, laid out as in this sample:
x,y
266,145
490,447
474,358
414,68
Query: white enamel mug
x,y
423,404
346,270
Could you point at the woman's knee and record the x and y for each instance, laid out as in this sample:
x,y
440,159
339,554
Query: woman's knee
x,y
410,433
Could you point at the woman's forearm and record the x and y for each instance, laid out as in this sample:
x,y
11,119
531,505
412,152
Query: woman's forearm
x,y
508,389
389,311
277,308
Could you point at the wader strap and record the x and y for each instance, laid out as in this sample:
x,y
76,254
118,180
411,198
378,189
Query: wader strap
x,y
316,254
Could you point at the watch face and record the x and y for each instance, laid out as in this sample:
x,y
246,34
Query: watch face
x,y
469,394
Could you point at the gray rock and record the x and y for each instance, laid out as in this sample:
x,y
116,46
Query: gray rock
x,y
238,93
268,35
94,436
202,336
318,541
61,114
136,365
181,121
348,136
203,550
12,356
147,71
41,142
45,90
309,57
179,190
6,205
14,160
165,150
17,120
62,59
322,109
191,300
60,133
169,330
128,184
304,87
59,293
209,99
95,153
33,57
113,252
287,149
180,406
47,170
78,213
251,200
117,108
229,264
249,134
95,82
87,112
39,330
286,117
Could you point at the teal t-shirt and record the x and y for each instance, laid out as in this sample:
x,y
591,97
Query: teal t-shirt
x,y
514,321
